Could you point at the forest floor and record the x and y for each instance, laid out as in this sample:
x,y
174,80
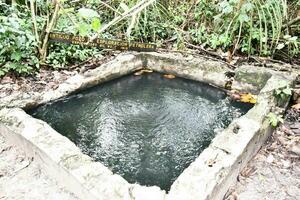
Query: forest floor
x,y
23,178
274,173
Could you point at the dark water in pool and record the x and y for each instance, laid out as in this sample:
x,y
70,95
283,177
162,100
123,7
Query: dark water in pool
x,y
147,129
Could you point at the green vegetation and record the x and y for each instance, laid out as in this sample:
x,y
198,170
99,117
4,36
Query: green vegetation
x,y
274,119
233,27
283,93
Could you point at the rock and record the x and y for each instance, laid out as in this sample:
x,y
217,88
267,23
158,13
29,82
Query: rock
x,y
296,125
6,80
297,106
270,158
294,147
296,96
138,192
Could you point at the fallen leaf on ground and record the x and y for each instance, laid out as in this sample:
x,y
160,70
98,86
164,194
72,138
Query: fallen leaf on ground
x,y
211,162
296,106
248,171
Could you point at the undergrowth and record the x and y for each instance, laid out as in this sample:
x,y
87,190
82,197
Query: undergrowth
x,y
235,27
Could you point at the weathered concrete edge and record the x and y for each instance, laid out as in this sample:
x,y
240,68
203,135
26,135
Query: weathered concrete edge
x,y
64,161
58,155
162,63
199,69
122,65
42,158
218,166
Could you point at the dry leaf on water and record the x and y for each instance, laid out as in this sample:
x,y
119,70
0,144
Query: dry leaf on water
x,y
248,98
142,71
169,76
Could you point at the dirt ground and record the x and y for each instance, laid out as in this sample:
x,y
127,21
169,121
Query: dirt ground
x,y
274,173
22,178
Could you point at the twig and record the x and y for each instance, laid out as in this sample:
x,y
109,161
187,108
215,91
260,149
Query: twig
x,y
25,166
204,50
293,21
108,6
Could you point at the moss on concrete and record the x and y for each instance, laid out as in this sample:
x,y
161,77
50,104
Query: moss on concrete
x,y
255,78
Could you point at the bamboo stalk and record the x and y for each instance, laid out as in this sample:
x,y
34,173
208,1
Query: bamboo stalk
x,y
33,16
48,30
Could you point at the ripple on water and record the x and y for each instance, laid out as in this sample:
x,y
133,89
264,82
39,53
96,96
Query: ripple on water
x,y
147,129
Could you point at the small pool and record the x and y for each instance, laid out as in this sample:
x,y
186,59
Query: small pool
x,y
147,128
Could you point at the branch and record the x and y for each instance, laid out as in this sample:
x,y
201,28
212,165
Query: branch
x,y
293,21
133,11
37,37
48,30
108,6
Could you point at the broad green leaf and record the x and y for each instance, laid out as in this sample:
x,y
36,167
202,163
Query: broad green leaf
x,y
287,91
273,119
96,24
280,46
83,29
277,91
16,56
87,13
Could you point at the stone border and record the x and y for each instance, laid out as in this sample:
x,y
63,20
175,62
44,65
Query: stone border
x,y
208,177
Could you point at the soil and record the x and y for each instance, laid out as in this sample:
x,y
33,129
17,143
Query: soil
x,y
22,178
274,173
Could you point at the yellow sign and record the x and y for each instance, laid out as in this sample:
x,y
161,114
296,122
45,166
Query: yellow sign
x,y
101,43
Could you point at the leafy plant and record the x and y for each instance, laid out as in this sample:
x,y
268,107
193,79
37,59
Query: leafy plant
x,y
252,27
17,43
274,119
284,92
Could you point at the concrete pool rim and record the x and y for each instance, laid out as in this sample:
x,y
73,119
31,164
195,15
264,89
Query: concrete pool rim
x,y
208,177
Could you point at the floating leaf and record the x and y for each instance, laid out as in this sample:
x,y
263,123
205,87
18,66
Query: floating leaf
x,y
169,76
138,73
248,98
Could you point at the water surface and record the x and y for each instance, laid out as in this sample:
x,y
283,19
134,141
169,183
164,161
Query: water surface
x,y
147,128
